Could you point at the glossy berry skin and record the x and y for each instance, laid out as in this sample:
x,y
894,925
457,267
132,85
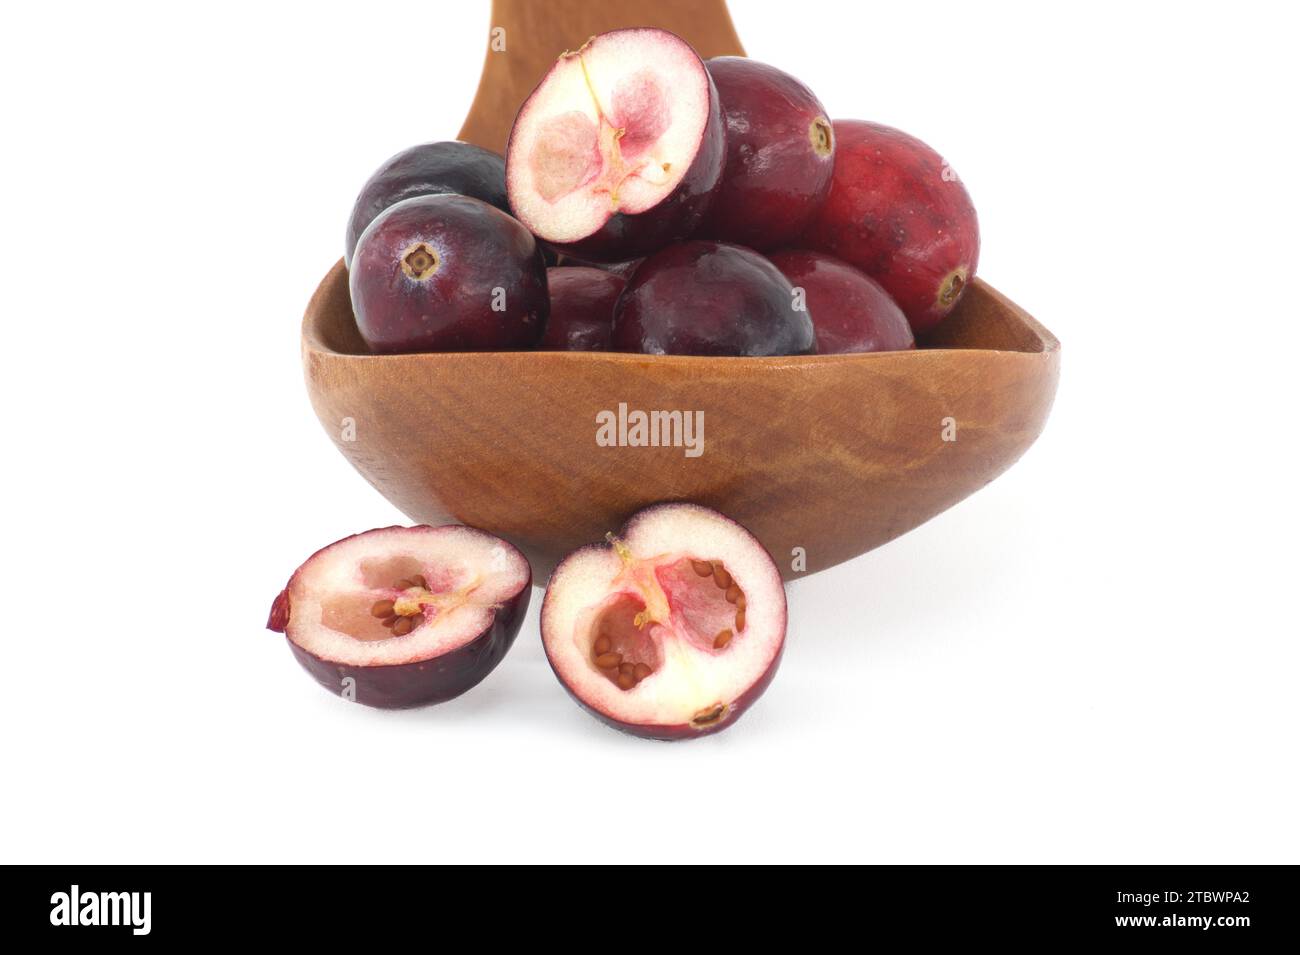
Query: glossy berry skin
x,y
710,298
899,213
448,273
850,311
425,170
625,269
582,309
780,155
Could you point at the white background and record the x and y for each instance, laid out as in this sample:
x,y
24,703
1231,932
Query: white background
x,y
1092,660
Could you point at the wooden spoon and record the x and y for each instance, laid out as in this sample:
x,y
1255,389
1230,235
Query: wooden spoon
x,y
822,457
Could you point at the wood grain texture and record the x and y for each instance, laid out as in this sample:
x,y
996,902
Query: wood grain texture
x,y
835,454
538,31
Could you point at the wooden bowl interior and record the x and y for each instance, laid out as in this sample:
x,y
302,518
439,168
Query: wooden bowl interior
x,y
833,454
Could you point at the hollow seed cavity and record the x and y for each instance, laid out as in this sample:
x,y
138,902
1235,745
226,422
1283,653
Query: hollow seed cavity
x,y
624,673
404,614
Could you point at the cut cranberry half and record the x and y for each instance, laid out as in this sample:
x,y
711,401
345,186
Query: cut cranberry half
x,y
405,616
620,149
670,629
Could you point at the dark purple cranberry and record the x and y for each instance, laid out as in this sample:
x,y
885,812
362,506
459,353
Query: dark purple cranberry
x,y
582,308
780,155
448,273
426,170
850,311
711,298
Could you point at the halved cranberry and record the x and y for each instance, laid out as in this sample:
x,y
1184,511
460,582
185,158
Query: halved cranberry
x,y
619,150
672,628
404,616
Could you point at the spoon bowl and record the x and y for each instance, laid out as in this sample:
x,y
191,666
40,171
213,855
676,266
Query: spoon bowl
x,y
822,457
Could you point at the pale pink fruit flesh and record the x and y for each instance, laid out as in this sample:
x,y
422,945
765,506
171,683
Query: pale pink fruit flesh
x,y
459,593
692,606
612,128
